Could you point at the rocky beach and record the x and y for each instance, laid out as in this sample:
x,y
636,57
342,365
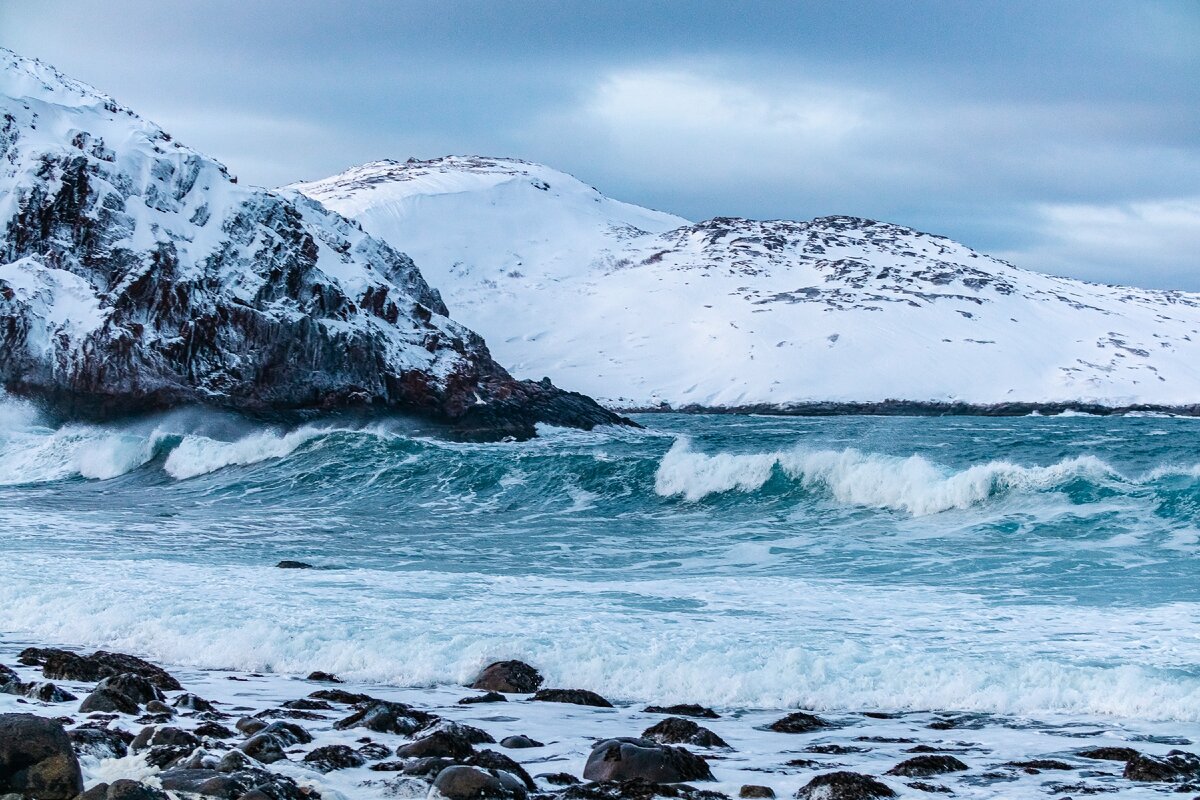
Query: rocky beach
x,y
111,726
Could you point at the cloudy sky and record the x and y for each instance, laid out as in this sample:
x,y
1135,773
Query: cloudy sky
x,y
1064,136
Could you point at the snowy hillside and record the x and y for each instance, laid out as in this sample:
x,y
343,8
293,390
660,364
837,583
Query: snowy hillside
x,y
640,308
135,273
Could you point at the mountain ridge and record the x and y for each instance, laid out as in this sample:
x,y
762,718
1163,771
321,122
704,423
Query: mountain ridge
x,y
137,275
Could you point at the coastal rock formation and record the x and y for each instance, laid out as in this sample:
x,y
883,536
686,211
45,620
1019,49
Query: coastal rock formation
x,y
508,676
629,758
137,274
812,316
36,759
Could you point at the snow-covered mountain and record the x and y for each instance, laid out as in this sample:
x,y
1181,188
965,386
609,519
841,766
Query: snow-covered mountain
x,y
135,273
640,308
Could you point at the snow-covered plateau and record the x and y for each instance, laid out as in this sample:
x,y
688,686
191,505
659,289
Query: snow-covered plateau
x,y
640,308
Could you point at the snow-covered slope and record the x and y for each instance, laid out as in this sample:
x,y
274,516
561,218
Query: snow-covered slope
x,y
136,273
640,308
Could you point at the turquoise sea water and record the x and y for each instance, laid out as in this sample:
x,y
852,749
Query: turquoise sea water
x,y
1018,566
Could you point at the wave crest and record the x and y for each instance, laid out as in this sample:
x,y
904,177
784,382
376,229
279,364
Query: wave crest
x,y
914,484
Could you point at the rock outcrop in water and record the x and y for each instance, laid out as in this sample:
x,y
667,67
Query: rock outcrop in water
x,y
136,275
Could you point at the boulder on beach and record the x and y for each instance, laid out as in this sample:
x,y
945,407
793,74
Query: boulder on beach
x,y
683,710
579,697
123,789
333,757
285,564
1109,753
442,744
108,701
753,791
508,676
494,760
844,786
137,688
489,697
1177,765
63,665
37,760
637,789
677,730
799,722
323,677
474,783
629,758
100,742
927,765
383,716
520,742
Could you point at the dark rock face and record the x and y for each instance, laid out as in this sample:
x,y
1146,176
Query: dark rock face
x,y
123,789
1176,765
231,290
927,765
107,701
844,786
100,742
332,757
67,666
676,730
799,722
36,759
579,697
489,697
637,789
250,784
519,742
342,696
508,676
136,687
1109,753
382,716
323,677
683,710
753,792
628,759
474,783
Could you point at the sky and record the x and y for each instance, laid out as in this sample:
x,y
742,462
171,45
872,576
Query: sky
x,y
1063,136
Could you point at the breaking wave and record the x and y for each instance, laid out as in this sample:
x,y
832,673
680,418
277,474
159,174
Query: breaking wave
x,y
913,484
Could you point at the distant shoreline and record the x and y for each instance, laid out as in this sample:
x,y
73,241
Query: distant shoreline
x,y
918,408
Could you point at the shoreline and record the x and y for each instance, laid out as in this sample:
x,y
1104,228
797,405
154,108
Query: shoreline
x,y
986,755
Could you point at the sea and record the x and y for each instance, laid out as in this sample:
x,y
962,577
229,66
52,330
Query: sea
x,y
1013,566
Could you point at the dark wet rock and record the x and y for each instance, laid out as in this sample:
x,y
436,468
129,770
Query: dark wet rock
x,y
290,713
373,751
308,704
799,722
67,666
753,792
294,565
493,760
383,716
265,747
490,697
163,737
8,675
677,730
1072,789
474,783
123,789
243,784
137,688
579,697
108,701
932,788
343,697
844,786
42,691
289,733
467,733
928,748
417,767
961,722
249,726
637,789
1040,765
160,708
885,739
234,761
191,702
683,710
332,757
880,715
927,765
37,759
803,763
100,742
628,758
508,676
437,744
1109,753
1176,765
213,730
323,677
835,749
520,742
558,778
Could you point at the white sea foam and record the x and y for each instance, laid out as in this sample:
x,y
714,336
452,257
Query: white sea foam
x,y
914,484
